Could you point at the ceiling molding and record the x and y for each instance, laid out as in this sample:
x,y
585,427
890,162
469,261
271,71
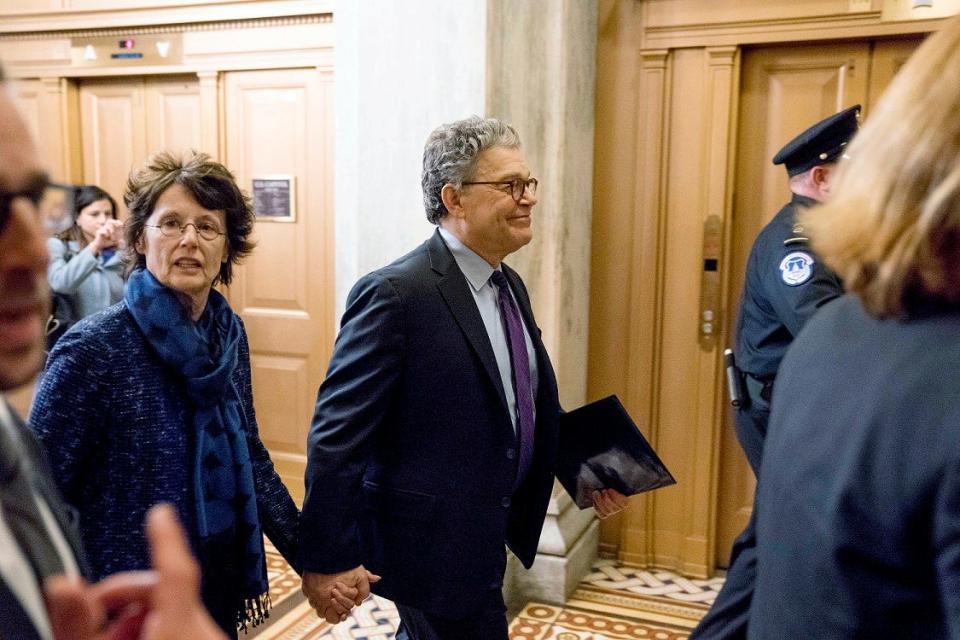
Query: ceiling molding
x,y
208,12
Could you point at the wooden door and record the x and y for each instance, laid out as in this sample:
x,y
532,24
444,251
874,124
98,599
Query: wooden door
x,y
275,122
784,90
887,58
124,120
173,115
280,122
113,125
27,96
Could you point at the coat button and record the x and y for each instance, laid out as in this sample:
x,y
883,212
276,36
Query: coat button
x,y
505,502
511,454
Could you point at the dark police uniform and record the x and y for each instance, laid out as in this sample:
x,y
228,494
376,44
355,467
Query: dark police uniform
x,y
785,285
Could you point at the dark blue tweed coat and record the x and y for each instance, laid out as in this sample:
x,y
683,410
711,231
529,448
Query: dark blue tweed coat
x,y
116,426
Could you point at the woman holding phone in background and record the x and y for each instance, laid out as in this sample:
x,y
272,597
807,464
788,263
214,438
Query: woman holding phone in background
x,y
86,270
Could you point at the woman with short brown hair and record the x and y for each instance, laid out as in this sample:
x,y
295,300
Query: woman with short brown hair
x,y
153,402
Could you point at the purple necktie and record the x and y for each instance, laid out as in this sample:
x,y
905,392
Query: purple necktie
x,y
519,363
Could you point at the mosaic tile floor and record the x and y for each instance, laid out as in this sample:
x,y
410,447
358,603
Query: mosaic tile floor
x,y
613,602
546,622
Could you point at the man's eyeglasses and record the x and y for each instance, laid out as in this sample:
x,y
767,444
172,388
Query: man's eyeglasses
x,y
172,228
54,202
517,186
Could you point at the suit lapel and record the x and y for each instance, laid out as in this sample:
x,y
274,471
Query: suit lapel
x,y
455,290
42,483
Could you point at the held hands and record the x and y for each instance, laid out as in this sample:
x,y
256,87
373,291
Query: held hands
x,y
334,595
163,604
109,235
607,502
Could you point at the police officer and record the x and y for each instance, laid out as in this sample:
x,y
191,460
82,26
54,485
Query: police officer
x,y
785,285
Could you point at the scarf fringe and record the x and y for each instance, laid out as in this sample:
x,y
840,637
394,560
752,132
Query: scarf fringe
x,y
255,612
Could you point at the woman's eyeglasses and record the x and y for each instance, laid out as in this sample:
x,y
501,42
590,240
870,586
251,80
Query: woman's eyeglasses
x,y
172,228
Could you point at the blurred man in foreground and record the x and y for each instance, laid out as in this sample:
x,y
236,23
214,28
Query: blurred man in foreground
x,y
38,545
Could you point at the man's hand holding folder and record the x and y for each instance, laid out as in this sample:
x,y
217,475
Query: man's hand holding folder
x,y
601,449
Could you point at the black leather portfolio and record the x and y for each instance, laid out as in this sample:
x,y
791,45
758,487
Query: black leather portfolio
x,y
602,448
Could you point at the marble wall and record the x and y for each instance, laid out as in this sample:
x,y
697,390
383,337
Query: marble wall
x,y
405,67
541,78
402,69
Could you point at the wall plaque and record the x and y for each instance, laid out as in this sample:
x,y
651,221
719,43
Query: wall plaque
x,y
275,198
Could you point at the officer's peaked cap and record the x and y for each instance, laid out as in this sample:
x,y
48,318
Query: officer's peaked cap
x,y
820,144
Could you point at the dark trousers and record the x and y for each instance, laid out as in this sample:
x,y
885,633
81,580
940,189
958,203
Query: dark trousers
x,y
751,424
728,617
489,622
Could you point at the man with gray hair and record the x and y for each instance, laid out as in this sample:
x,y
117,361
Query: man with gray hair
x,y
435,431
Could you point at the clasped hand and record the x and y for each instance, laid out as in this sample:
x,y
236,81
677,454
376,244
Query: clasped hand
x,y
334,595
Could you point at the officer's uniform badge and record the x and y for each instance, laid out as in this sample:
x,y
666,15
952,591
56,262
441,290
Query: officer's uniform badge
x,y
796,268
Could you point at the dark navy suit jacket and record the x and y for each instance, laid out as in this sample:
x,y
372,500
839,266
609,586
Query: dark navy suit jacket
x,y
858,523
35,464
412,454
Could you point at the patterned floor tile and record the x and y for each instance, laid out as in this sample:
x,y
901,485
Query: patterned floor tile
x,y
613,602
534,621
576,624
375,619
607,574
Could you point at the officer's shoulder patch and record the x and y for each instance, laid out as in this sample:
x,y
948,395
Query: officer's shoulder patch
x,y
796,268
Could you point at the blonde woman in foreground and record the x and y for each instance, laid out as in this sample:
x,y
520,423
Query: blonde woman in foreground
x,y
859,530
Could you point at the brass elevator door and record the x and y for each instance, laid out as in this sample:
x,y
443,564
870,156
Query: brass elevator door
x,y
784,89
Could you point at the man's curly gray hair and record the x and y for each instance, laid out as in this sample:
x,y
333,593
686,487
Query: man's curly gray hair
x,y
451,153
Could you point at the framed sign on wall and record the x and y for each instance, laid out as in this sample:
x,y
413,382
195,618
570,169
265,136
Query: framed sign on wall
x,y
274,197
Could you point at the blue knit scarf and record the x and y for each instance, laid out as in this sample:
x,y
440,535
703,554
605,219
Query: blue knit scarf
x,y
204,355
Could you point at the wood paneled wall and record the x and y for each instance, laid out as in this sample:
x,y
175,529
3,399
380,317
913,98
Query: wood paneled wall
x,y
668,91
254,89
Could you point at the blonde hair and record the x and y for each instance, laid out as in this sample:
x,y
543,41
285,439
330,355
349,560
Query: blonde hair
x,y
891,229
